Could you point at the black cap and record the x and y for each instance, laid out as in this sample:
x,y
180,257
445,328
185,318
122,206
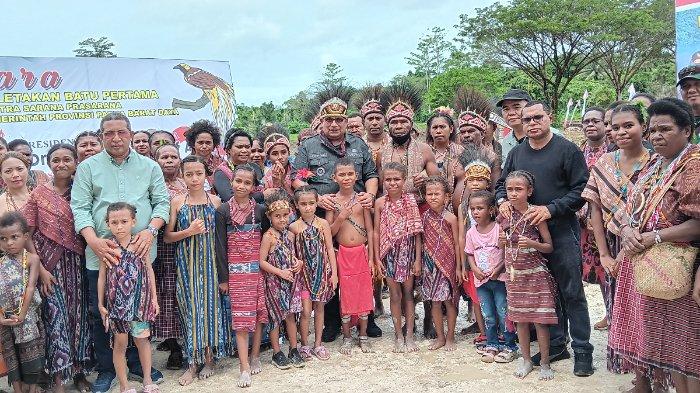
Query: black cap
x,y
514,94
690,72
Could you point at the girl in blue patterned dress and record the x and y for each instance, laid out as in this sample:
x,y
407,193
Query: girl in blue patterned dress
x,y
129,289
203,305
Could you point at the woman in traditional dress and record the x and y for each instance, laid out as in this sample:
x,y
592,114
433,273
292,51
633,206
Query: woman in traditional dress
x,y
167,325
612,176
61,250
664,207
14,170
441,138
237,144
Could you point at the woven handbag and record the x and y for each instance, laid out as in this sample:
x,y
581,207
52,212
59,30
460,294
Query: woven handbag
x,y
664,270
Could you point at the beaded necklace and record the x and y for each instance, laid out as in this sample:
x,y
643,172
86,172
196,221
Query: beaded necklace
x,y
511,251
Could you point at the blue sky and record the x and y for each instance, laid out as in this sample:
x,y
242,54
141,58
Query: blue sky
x,y
275,48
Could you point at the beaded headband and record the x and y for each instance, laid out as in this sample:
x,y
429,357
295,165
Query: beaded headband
x,y
281,140
335,107
399,108
371,106
478,170
472,119
278,205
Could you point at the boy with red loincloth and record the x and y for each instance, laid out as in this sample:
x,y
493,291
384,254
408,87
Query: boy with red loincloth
x,y
351,225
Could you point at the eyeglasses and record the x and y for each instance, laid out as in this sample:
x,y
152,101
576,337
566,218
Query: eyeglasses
x,y
591,121
331,120
536,119
111,134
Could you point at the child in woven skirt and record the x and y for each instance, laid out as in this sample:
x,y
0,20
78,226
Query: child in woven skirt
x,y
283,281
314,246
238,236
127,297
21,328
351,225
397,248
530,285
441,268
201,283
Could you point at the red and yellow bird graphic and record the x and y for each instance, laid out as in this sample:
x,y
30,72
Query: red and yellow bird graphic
x,y
214,90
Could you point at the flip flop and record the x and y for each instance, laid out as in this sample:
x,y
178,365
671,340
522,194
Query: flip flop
x,y
322,353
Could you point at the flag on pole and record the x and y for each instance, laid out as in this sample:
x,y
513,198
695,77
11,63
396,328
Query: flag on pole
x,y
583,107
568,110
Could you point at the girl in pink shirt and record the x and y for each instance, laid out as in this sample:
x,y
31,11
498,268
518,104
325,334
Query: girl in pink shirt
x,y
485,258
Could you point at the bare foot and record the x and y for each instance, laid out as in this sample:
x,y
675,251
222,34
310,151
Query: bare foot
x,y
411,345
187,377
244,380
255,366
546,373
450,345
346,347
365,345
207,371
399,346
524,368
436,344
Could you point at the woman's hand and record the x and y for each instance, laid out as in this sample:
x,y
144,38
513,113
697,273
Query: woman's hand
x,y
334,281
416,268
156,306
610,265
297,265
223,288
47,282
105,317
631,240
524,242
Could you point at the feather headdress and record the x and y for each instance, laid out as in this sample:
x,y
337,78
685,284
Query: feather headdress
x,y
401,99
473,107
367,100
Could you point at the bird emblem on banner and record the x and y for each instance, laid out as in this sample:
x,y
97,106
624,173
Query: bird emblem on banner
x,y
215,91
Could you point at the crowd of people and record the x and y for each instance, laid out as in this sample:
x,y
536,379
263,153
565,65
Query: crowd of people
x,y
126,241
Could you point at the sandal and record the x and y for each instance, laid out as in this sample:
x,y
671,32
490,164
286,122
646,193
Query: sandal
x,y
505,356
480,339
322,353
305,352
489,356
601,325
152,388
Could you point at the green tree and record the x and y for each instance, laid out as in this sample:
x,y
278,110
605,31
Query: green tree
x,y
332,75
95,47
431,55
629,46
551,41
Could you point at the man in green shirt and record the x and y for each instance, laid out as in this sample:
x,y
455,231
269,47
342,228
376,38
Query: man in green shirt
x,y
117,174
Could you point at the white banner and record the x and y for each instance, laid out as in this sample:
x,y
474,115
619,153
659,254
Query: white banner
x,y
51,100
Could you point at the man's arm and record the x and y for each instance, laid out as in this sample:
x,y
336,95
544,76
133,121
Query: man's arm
x,y
81,200
576,173
160,199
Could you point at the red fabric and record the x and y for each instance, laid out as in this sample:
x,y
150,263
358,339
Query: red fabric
x,y
355,280
469,287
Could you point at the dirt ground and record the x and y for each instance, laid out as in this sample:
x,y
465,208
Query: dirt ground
x,y
384,371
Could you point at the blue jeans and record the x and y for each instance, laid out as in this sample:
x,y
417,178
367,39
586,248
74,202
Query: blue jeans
x,y
103,347
494,308
572,308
